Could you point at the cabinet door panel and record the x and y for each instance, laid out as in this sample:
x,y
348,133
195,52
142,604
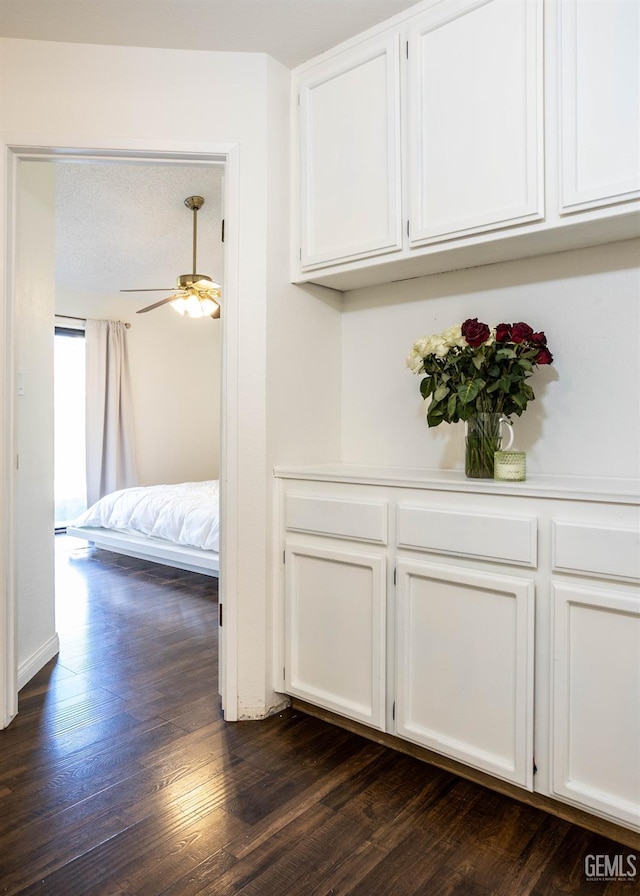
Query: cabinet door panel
x,y
350,154
600,102
465,666
475,70
596,700
335,630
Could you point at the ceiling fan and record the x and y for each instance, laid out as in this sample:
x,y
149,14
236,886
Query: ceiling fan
x,y
197,294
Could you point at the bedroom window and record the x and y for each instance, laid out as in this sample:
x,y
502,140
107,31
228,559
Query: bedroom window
x,y
70,489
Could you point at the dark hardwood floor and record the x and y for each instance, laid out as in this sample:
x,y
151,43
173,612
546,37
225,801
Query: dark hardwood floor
x,y
119,776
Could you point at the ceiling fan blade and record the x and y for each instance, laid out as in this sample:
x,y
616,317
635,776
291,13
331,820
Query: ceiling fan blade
x,y
148,290
157,304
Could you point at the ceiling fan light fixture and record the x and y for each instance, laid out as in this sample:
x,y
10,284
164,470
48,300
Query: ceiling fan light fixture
x,y
193,305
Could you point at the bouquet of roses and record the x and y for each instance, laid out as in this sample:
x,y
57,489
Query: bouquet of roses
x,y
472,368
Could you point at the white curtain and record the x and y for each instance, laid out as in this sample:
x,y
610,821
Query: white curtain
x,y
111,453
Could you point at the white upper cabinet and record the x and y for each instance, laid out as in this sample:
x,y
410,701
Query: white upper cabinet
x,y
475,117
466,132
349,131
599,70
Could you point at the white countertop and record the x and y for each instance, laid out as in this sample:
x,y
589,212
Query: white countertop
x,y
577,488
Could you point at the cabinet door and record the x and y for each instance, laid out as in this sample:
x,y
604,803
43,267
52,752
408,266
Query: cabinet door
x,y
350,154
600,102
465,666
335,630
475,92
596,700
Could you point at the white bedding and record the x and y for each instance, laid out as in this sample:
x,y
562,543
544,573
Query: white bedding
x,y
186,513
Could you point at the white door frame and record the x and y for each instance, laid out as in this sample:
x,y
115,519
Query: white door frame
x,y
13,152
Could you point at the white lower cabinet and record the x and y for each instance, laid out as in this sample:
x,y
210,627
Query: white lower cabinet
x,y
596,699
335,630
495,625
464,684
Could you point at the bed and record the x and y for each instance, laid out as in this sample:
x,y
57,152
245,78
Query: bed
x,y
177,525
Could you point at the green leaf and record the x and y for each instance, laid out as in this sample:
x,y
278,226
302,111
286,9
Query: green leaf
x,y
504,353
426,386
504,383
451,405
435,415
525,364
441,392
467,391
466,412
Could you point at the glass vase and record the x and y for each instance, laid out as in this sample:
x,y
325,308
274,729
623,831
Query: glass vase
x,y
483,439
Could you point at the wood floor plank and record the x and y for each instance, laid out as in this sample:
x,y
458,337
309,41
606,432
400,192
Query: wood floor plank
x,y
239,874
73,779
93,821
300,803
314,858
420,852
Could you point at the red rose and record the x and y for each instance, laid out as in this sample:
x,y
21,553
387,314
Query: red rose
x,y
475,332
544,356
538,339
521,332
503,332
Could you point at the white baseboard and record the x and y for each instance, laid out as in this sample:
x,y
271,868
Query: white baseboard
x,y
36,661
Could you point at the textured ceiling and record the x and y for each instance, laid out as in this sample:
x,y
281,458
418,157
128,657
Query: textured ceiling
x,y
125,226
291,31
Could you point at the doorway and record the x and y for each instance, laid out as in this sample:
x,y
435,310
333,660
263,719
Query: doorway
x,y
226,159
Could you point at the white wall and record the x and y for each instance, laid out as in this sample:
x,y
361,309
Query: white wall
x,y
76,95
36,638
302,389
585,420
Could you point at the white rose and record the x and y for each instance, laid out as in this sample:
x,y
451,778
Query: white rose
x,y
440,346
422,346
453,336
414,362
